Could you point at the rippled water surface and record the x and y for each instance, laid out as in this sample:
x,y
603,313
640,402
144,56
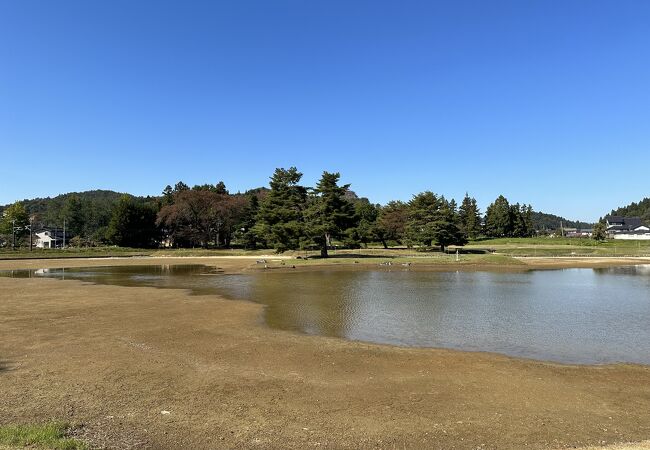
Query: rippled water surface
x,y
572,315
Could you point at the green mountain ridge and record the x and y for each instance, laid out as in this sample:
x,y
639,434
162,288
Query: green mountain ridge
x,y
544,221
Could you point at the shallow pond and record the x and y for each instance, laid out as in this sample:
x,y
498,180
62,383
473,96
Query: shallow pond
x,y
571,315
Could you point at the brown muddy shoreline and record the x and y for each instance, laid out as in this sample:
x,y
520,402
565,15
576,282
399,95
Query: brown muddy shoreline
x,y
234,264
113,358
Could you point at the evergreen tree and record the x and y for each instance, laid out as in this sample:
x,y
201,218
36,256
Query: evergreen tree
x,y
220,188
528,220
280,219
168,196
446,229
470,217
498,222
133,224
422,213
180,187
329,215
249,215
517,221
433,220
367,214
73,213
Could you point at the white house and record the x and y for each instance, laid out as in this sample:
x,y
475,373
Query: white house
x,y
49,238
630,228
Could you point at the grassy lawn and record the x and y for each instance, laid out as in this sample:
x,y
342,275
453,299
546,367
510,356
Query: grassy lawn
x,y
542,246
99,252
180,252
52,435
91,252
537,246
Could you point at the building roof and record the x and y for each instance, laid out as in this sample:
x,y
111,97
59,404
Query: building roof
x,y
618,223
54,233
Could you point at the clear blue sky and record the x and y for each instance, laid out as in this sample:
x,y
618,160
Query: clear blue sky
x,y
546,102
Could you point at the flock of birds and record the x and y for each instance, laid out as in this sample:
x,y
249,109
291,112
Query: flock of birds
x,y
282,263
389,263
266,266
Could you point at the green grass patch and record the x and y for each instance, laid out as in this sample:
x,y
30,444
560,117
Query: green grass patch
x,y
89,252
51,435
535,246
189,252
544,246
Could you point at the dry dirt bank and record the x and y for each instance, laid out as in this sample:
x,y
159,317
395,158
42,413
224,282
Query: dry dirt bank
x,y
114,358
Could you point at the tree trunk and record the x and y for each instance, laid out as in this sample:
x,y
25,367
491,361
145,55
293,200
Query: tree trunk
x,y
383,242
326,243
442,248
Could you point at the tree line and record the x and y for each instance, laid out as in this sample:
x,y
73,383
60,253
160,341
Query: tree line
x,y
639,209
286,215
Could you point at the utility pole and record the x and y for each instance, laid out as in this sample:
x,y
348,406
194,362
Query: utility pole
x,y
13,232
30,233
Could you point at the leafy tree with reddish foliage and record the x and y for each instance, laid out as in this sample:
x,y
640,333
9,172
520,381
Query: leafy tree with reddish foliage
x,y
391,222
200,217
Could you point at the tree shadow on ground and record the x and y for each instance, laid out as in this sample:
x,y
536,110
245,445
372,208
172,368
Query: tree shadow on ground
x,y
352,256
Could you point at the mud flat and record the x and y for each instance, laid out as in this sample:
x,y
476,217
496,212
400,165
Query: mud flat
x,y
158,368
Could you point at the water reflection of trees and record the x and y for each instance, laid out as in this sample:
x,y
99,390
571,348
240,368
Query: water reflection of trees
x,y
640,269
314,303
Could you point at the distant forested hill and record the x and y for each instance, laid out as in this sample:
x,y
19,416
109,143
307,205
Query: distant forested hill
x,y
87,213
543,221
641,209
49,207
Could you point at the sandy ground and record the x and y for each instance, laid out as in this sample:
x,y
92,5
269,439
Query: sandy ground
x,y
148,368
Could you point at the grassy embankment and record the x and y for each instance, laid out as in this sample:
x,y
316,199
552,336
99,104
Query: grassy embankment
x,y
52,435
487,251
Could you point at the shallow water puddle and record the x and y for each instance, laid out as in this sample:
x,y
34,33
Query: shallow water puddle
x,y
571,315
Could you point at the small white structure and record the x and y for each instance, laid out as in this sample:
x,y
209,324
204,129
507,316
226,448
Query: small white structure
x,y
641,235
47,238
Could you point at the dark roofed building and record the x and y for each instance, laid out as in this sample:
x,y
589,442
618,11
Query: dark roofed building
x,y
623,223
620,227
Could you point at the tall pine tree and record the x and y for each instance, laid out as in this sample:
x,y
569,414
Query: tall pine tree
x,y
498,221
433,220
280,220
470,217
329,215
